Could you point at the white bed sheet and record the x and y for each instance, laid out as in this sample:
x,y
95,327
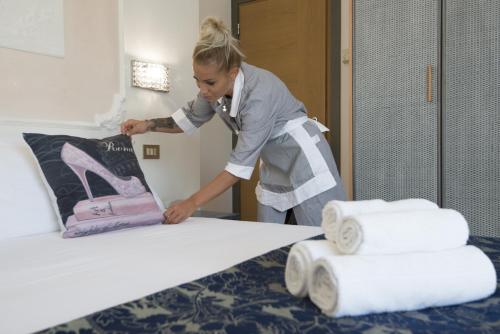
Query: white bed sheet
x,y
46,280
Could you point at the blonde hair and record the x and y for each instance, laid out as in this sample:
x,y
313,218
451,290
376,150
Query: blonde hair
x,y
217,45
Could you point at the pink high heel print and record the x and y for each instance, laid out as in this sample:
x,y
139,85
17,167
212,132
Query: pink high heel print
x,y
80,162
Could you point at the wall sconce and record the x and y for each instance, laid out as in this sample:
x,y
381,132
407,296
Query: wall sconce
x,y
150,76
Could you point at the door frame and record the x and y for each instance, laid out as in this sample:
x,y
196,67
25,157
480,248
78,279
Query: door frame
x,y
333,110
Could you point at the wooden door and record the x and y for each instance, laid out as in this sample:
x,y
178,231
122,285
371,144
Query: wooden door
x,y
288,38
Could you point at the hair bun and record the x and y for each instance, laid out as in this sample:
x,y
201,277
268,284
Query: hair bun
x,y
214,30
217,44
212,23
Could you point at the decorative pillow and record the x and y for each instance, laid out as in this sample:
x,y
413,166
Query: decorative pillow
x,y
97,184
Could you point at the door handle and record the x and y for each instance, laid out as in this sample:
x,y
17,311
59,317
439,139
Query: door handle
x,y
429,83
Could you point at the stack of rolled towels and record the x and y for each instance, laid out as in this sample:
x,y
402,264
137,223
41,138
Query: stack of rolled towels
x,y
383,256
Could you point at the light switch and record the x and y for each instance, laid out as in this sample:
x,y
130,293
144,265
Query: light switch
x,y
151,151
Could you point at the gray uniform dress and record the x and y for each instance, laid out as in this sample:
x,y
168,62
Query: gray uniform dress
x,y
297,169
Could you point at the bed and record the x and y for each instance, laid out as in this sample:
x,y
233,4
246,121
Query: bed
x,y
251,297
203,276
49,280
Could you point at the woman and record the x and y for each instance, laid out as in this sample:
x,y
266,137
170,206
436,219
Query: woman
x,y
297,169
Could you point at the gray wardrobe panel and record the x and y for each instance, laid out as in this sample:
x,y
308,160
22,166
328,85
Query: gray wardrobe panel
x,y
471,113
395,129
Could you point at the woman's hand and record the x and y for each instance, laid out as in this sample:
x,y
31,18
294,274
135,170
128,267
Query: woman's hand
x,y
179,211
133,127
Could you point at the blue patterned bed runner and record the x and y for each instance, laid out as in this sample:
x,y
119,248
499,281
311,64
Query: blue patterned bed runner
x,y
251,298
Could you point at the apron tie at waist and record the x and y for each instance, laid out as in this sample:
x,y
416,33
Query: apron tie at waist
x,y
295,123
320,126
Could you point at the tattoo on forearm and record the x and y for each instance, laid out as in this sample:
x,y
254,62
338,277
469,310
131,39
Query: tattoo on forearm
x,y
163,123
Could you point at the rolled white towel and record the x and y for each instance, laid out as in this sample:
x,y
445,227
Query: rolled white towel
x,y
402,232
299,260
410,204
352,285
335,211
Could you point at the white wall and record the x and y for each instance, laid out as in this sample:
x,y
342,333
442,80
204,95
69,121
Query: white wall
x,y
72,88
216,139
164,31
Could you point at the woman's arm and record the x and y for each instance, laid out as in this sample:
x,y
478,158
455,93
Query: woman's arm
x,y
182,210
133,126
167,125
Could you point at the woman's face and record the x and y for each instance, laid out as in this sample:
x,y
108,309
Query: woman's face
x,y
212,82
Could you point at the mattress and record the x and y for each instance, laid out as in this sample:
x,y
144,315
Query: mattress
x,y
46,280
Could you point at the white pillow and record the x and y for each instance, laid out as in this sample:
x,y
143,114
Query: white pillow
x,y
25,205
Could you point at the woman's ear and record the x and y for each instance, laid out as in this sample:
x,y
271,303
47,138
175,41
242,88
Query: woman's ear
x,y
233,72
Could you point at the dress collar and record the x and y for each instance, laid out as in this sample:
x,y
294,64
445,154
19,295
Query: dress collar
x,y
237,88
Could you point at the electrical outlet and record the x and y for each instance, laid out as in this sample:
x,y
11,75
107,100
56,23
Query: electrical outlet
x,y
151,151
